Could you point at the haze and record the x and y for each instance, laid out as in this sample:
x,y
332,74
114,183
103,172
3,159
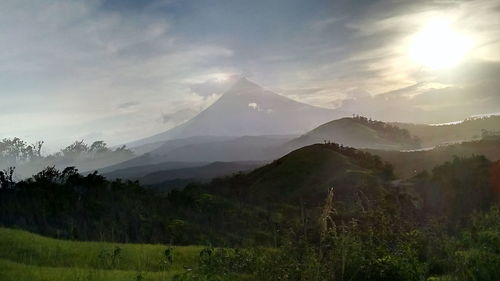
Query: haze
x,y
124,70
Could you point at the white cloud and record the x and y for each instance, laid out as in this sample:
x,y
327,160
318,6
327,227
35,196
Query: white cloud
x,y
67,64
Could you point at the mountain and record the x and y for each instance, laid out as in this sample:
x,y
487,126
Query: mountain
x,y
466,130
247,109
359,132
410,163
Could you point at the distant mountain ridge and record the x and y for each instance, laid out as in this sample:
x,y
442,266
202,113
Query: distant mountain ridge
x,y
203,173
355,132
466,130
248,109
410,163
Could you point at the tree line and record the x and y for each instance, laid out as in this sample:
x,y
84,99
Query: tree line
x,y
29,158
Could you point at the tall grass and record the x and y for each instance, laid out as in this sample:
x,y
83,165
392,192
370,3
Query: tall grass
x,y
27,256
12,271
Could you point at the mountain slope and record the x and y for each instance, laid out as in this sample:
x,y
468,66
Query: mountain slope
x,y
247,109
306,175
359,132
136,172
199,151
247,148
153,161
206,172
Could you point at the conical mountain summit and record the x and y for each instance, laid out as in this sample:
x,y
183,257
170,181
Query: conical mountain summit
x,y
247,109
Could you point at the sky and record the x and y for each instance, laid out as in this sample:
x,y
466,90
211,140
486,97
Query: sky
x,y
120,70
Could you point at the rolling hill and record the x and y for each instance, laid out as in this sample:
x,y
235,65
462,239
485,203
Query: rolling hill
x,y
306,175
359,132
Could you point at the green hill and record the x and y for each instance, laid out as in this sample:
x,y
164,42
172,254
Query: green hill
x,y
306,175
378,225
27,256
359,132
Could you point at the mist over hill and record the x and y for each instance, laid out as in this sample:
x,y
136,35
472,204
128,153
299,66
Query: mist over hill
x,y
357,131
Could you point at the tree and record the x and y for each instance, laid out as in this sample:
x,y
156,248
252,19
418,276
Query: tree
x,y
6,178
75,149
98,147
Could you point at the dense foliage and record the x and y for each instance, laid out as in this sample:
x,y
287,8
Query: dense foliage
x,y
389,131
444,223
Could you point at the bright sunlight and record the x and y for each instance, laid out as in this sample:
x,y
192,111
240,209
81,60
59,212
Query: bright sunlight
x,y
439,46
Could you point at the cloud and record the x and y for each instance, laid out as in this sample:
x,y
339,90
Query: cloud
x,y
178,117
255,106
79,61
423,103
181,110
128,105
216,84
65,69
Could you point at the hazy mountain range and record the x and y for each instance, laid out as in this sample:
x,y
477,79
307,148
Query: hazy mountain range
x,y
250,124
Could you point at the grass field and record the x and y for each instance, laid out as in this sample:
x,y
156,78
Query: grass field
x,y
27,256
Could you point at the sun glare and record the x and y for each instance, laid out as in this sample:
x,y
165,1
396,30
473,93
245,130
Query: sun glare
x,y
439,46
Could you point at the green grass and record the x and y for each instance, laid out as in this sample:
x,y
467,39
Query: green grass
x,y
27,256
306,172
12,271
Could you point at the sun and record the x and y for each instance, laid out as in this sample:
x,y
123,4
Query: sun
x,y
439,46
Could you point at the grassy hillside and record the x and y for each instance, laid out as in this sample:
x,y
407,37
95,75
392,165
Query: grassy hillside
x,y
306,175
27,256
408,164
359,132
